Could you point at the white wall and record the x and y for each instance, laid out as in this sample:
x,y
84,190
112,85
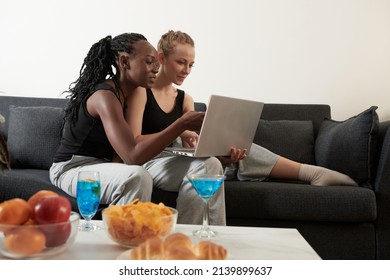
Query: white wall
x,y
285,51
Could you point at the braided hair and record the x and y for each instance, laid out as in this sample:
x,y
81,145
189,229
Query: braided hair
x,y
99,64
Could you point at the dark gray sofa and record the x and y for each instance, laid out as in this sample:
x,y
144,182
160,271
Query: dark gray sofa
x,y
339,222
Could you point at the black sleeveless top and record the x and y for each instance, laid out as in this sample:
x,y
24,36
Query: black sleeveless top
x,y
155,119
86,137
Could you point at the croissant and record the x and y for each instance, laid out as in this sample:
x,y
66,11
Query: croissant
x,y
179,253
206,250
177,239
152,249
177,246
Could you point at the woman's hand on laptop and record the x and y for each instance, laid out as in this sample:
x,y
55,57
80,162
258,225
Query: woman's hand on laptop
x,y
235,156
189,139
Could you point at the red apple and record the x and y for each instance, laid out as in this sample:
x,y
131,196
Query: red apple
x,y
35,198
52,209
56,234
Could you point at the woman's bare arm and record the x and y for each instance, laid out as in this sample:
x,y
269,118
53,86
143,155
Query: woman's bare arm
x,y
105,106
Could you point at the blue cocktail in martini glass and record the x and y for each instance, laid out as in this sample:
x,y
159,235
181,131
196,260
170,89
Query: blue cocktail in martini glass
x,y
206,186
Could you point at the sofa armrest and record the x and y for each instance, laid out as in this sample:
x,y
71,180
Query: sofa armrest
x,y
382,190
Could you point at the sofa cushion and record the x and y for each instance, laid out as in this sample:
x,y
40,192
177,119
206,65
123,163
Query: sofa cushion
x,y
34,135
23,183
288,201
288,138
349,146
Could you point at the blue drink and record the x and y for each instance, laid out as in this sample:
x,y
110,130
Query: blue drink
x,y
206,186
88,197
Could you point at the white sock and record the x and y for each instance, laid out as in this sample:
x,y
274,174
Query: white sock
x,y
320,176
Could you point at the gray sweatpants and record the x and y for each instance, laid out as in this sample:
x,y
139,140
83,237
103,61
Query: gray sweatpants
x,y
256,166
121,183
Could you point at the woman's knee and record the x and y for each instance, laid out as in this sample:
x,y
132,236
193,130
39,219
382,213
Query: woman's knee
x,y
140,177
137,184
213,165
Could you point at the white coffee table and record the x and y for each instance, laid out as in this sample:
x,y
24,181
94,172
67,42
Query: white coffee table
x,y
242,243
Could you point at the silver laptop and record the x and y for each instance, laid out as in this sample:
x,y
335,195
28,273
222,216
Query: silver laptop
x,y
229,122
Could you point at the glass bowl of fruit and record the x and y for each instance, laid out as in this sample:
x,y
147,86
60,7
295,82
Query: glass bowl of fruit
x,y
38,228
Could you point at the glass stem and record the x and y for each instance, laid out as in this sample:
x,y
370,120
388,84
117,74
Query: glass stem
x,y
87,223
206,215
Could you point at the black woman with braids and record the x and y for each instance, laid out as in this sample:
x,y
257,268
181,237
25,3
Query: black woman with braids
x,y
95,130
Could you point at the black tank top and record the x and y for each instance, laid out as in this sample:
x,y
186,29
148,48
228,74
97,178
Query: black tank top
x,y
86,137
155,119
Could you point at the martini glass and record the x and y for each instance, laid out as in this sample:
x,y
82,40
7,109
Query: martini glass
x,y
205,185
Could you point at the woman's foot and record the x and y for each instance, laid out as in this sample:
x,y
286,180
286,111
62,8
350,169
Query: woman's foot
x,y
320,176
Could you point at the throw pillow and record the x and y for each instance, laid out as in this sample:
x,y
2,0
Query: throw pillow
x,y
34,135
289,138
349,146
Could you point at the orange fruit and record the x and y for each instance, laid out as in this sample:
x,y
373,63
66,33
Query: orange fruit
x,y
15,211
30,222
25,240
